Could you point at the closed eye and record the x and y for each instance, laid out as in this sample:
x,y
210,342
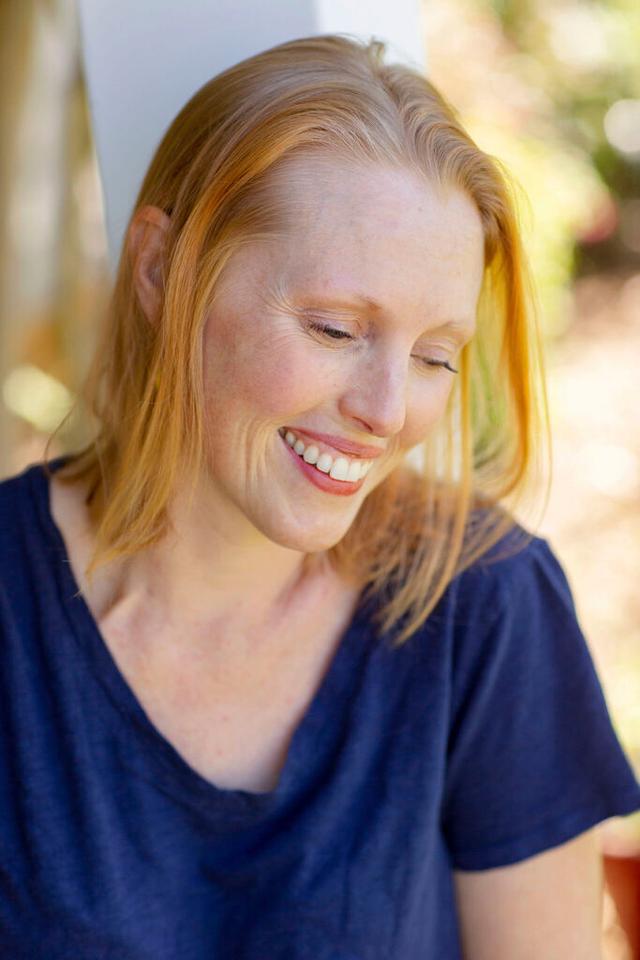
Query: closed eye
x,y
335,334
438,363
332,332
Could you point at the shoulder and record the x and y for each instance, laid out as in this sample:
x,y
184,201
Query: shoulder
x,y
11,486
520,567
23,544
514,623
514,598
16,493
499,559
25,520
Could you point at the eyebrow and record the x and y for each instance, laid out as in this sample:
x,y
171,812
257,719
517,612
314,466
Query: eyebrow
x,y
461,327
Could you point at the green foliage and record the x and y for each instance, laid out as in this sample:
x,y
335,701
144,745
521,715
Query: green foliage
x,y
551,72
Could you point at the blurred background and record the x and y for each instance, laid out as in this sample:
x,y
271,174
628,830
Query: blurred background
x,y
552,88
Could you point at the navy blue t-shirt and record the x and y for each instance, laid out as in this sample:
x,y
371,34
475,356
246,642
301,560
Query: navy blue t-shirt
x,y
482,741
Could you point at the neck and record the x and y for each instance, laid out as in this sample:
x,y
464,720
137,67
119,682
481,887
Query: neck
x,y
202,576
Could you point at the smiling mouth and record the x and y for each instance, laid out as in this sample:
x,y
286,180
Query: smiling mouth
x,y
348,470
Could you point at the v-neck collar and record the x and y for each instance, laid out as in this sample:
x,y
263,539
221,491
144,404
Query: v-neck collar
x,y
317,731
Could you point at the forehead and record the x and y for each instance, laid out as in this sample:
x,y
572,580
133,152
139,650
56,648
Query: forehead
x,y
381,233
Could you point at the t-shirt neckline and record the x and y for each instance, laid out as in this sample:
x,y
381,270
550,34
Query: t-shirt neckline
x,y
312,731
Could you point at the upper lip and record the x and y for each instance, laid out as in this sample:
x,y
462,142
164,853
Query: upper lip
x,y
366,451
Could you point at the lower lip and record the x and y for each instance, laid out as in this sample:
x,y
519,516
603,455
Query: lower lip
x,y
322,480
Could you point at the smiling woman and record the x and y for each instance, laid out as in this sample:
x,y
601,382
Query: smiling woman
x,y
294,681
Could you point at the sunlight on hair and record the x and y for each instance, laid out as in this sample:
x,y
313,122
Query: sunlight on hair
x,y
214,174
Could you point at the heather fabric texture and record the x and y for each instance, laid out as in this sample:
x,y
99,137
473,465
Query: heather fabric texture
x,y
483,741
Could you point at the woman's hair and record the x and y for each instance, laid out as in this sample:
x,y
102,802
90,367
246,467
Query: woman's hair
x,y
214,174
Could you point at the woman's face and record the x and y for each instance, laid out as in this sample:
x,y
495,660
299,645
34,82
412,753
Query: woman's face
x,y
292,346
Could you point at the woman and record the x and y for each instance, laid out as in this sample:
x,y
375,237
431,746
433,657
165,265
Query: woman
x,y
283,676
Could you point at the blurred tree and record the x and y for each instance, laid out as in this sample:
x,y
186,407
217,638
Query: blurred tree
x,y
556,69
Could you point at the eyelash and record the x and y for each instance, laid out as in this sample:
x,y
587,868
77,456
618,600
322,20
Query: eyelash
x,y
343,335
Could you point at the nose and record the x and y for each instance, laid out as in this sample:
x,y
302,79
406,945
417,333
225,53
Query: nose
x,y
376,396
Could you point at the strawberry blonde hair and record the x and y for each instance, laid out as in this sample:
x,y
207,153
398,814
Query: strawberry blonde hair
x,y
213,174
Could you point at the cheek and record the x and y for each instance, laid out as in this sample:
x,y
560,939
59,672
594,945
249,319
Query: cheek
x,y
426,407
269,376
279,388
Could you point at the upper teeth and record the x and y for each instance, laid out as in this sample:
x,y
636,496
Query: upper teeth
x,y
340,468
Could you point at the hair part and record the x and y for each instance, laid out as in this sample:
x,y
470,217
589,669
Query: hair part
x,y
216,173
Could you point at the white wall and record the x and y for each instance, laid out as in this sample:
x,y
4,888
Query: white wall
x,y
145,58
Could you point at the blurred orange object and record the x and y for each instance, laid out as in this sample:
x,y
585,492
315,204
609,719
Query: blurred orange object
x,y
622,881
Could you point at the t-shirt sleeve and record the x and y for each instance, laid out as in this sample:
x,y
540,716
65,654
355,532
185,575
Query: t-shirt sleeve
x,y
532,758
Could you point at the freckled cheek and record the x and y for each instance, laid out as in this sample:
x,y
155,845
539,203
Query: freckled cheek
x,y
425,410
281,384
282,392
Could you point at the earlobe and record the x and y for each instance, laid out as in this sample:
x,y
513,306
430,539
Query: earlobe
x,y
147,235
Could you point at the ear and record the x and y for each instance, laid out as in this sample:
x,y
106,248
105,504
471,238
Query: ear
x,y
147,235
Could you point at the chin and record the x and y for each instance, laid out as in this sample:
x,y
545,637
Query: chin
x,y
307,540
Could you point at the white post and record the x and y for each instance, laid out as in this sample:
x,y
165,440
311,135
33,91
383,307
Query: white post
x,y
144,60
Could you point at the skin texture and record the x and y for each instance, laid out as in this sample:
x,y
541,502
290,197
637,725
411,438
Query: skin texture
x,y
382,233
424,263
